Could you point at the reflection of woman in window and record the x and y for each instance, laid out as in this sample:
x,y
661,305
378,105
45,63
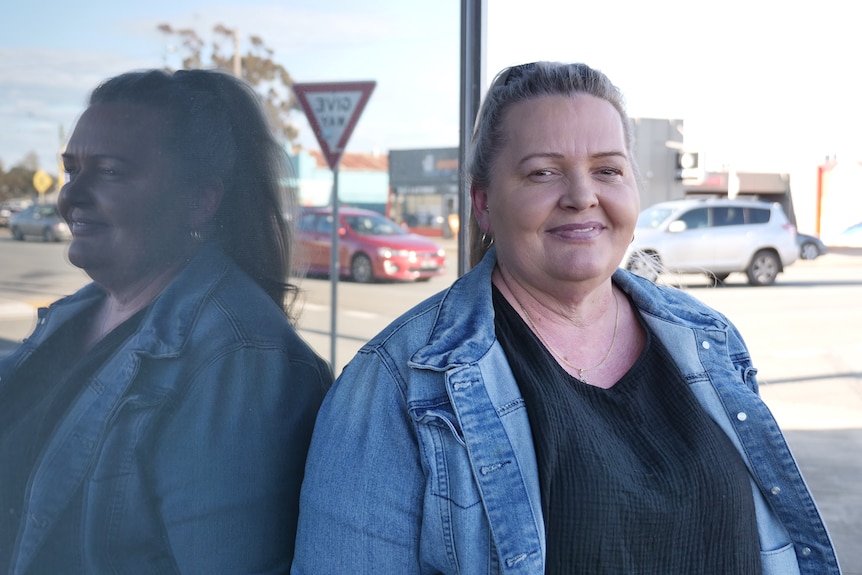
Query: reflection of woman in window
x,y
157,420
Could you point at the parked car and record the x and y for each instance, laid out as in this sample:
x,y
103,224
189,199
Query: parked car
x,y
715,237
810,247
41,221
371,247
8,209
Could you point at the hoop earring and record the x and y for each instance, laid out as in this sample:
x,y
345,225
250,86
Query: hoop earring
x,y
486,242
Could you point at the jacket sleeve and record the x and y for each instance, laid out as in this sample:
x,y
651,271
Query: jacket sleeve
x,y
360,509
227,466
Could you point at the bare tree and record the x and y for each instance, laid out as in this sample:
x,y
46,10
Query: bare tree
x,y
30,161
257,66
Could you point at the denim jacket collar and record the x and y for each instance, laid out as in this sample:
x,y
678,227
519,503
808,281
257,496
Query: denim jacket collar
x,y
171,318
447,346
177,307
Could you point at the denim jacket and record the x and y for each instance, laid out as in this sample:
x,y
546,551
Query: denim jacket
x,y
422,458
188,444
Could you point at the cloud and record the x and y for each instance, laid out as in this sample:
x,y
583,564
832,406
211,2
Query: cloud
x,y
43,91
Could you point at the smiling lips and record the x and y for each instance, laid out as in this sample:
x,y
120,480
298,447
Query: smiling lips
x,y
578,231
81,226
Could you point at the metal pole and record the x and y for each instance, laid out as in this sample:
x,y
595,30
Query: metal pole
x,y
333,270
473,25
237,59
61,165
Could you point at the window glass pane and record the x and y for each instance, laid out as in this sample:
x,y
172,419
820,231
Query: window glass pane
x,y
757,216
727,216
697,218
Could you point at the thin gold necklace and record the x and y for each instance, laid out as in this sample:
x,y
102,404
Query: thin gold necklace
x,y
580,370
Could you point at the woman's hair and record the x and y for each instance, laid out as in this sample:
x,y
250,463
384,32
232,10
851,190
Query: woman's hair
x,y
517,84
217,133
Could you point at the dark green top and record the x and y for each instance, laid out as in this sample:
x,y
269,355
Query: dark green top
x,y
634,479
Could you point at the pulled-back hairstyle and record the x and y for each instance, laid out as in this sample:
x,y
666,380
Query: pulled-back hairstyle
x,y
217,132
517,84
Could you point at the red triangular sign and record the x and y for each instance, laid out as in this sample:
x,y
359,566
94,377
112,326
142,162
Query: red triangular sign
x,y
332,109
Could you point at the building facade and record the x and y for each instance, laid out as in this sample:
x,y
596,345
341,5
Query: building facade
x,y
363,179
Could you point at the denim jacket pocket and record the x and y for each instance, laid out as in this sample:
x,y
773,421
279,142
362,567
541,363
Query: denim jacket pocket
x,y
442,445
121,442
781,561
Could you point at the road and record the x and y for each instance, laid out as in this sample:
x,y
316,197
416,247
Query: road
x,y
804,334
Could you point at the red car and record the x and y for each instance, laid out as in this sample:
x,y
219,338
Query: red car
x,y
371,247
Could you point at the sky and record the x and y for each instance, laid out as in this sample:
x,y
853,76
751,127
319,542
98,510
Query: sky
x,y
761,85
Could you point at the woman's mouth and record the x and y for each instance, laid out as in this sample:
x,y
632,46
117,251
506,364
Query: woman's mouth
x,y
83,226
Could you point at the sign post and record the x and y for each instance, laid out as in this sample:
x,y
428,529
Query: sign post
x,y
332,109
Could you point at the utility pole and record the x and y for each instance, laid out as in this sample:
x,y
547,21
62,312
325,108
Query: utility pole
x,y
61,168
237,60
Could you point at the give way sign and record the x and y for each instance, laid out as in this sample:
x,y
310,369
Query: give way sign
x,y
332,109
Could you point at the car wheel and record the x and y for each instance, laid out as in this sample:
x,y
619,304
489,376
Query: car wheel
x,y
16,234
48,235
361,270
808,251
645,264
763,269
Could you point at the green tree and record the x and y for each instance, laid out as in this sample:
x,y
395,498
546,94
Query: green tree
x,y
257,66
17,182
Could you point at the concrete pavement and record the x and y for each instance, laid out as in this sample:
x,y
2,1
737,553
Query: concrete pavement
x,y
822,422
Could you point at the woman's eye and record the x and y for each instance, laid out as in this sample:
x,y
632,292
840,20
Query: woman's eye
x,y
611,171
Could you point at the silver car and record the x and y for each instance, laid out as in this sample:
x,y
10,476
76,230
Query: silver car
x,y
810,247
10,208
715,237
40,221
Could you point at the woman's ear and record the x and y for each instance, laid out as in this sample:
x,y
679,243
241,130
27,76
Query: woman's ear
x,y
481,210
205,203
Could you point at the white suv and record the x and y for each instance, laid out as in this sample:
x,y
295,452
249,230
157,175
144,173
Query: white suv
x,y
715,237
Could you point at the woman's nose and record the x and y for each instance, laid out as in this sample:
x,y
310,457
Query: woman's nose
x,y
579,192
74,192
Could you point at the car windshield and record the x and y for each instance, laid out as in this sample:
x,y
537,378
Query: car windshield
x,y
653,217
374,226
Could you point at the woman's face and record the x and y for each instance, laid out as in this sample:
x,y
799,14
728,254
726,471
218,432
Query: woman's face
x,y
127,213
563,201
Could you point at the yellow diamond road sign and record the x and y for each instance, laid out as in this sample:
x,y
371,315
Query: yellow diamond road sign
x,y
42,181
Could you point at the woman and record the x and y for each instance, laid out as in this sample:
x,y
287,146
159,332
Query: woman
x,y
157,421
549,412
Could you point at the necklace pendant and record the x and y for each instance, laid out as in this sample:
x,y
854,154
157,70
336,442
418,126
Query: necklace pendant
x,y
581,376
